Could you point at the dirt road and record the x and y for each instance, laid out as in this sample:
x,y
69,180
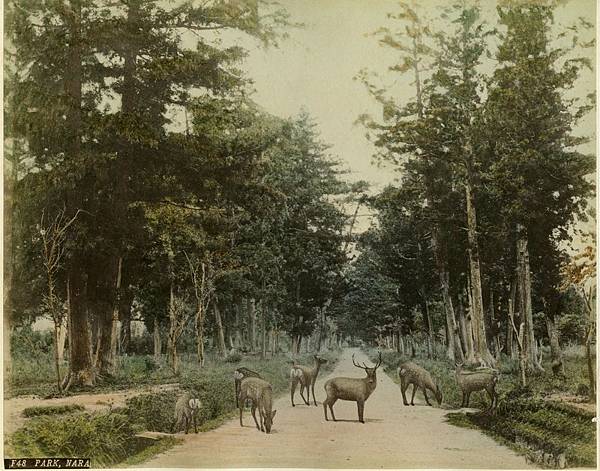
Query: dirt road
x,y
394,436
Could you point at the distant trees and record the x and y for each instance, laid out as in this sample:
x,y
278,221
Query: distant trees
x,y
492,175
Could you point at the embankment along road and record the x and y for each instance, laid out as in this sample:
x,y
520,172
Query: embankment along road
x,y
394,436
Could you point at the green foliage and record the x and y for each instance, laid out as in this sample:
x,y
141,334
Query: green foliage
x,y
554,428
154,412
522,418
52,410
234,358
105,438
149,448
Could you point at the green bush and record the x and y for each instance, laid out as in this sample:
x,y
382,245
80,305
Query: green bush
x,y
52,410
235,357
105,438
154,412
554,428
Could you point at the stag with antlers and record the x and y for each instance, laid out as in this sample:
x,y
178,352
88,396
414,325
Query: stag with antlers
x,y
352,389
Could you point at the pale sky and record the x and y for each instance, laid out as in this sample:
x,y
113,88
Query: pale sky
x,y
313,70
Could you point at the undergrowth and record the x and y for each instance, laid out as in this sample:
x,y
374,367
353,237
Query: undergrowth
x,y
214,387
52,410
548,432
110,438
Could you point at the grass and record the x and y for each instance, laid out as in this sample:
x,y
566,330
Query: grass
x,y
148,449
52,410
548,432
33,374
105,438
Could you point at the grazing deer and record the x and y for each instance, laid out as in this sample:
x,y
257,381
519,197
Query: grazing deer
x,y
260,393
351,389
186,412
411,373
238,375
307,378
478,380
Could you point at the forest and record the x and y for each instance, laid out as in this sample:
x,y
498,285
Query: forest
x,y
145,186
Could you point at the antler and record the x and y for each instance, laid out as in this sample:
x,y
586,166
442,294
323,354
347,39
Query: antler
x,y
357,365
379,361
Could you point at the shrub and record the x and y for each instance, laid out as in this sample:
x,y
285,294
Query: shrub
x,y
583,389
52,410
154,412
105,438
235,357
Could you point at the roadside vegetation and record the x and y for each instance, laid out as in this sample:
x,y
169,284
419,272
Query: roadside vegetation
x,y
66,430
549,421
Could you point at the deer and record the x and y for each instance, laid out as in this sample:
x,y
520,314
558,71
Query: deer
x,y
351,389
260,393
411,373
478,380
307,377
187,409
238,375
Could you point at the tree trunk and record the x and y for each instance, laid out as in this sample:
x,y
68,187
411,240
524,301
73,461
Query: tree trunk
x,y
157,344
108,316
454,352
220,333
62,337
263,328
104,363
510,349
81,370
199,321
482,353
172,357
429,325
558,368
115,334
252,317
125,318
57,357
524,298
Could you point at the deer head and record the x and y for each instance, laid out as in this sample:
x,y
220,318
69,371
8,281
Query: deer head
x,y
268,420
319,360
371,372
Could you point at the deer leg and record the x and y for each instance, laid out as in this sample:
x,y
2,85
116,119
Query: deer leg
x,y
187,424
331,403
237,392
403,388
261,413
426,398
254,415
313,392
468,396
412,399
361,411
302,386
293,390
325,408
241,409
195,427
